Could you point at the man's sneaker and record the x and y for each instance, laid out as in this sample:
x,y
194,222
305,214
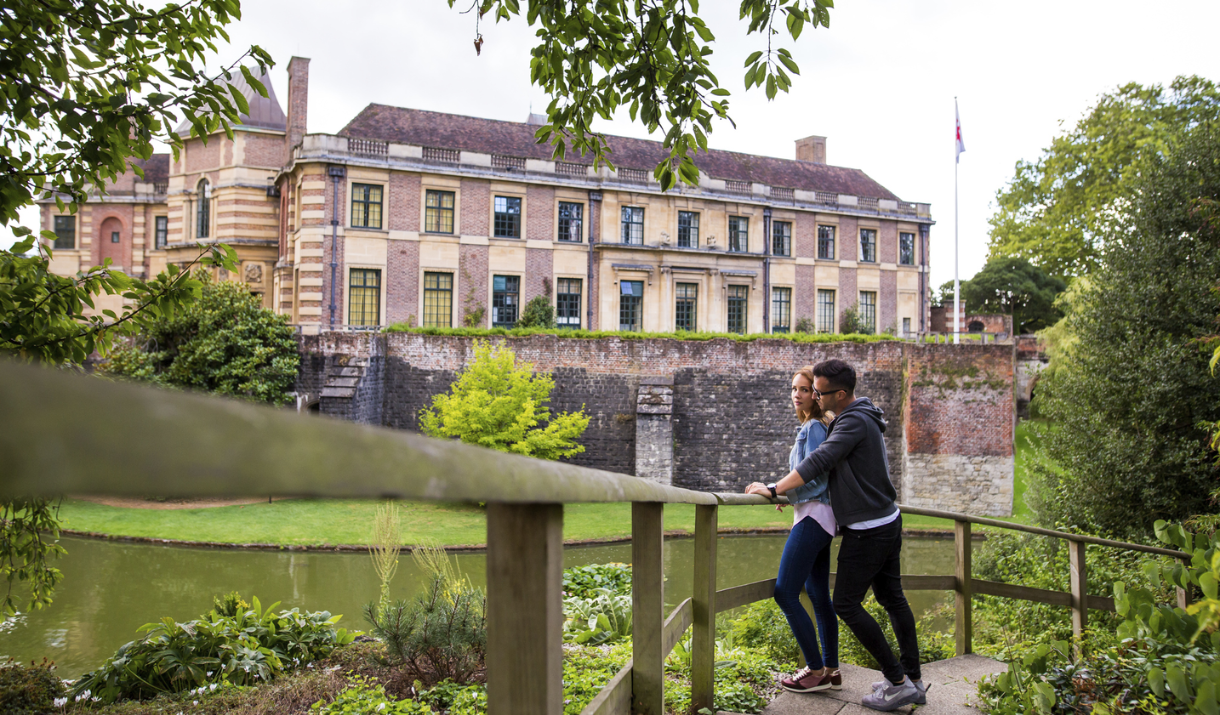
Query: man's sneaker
x,y
891,697
806,681
836,680
921,686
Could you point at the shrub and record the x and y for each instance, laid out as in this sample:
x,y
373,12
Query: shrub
x,y
440,634
587,670
253,646
225,343
538,313
454,698
805,325
364,697
764,627
31,689
584,581
849,320
603,617
519,332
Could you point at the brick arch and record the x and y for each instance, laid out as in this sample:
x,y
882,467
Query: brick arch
x,y
119,253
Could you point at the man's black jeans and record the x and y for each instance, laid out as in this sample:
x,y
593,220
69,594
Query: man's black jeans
x,y
871,558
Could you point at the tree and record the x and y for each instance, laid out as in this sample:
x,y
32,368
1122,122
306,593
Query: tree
x,y
849,320
1131,394
499,404
224,343
1016,287
596,56
538,313
1056,211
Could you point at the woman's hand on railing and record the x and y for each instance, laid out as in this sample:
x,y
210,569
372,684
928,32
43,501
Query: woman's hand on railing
x,y
762,490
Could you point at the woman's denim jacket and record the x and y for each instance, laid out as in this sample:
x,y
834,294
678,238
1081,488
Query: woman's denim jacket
x,y
811,434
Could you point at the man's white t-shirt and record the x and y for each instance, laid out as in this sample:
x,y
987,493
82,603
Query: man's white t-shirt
x,y
874,523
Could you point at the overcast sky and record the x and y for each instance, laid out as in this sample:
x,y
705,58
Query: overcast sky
x,y
880,83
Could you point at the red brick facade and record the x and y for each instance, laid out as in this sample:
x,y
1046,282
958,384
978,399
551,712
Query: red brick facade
x,y
473,289
960,400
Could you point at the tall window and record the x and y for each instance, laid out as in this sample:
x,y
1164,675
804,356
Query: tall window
x,y
633,225
826,311
438,300
686,307
65,232
868,245
366,206
906,326
571,221
781,238
567,302
631,305
364,297
114,236
161,235
438,212
203,209
504,301
868,312
781,310
739,233
906,249
688,229
508,217
826,242
738,295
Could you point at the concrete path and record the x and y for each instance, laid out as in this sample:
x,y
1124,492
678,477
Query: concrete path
x,y
951,685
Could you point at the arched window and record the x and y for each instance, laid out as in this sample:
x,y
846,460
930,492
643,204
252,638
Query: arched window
x,y
976,326
203,209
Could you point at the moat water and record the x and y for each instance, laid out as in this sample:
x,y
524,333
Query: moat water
x,y
111,588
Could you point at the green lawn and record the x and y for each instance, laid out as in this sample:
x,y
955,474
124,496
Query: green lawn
x,y
329,522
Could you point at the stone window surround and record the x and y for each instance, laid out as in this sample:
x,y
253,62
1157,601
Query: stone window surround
x,y
430,183
347,284
351,198
515,192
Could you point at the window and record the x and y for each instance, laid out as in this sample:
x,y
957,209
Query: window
x,y
366,206
567,302
438,212
826,311
906,249
203,206
633,225
781,238
685,309
161,231
65,232
114,236
826,242
868,312
868,245
739,230
906,326
688,229
504,301
438,300
364,297
781,310
738,295
631,305
508,217
571,222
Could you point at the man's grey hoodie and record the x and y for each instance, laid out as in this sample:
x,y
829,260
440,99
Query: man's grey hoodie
x,y
854,455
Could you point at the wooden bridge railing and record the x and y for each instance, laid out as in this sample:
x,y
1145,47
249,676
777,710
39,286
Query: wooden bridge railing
x,y
62,433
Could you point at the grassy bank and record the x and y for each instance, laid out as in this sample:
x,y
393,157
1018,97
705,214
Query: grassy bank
x,y
331,522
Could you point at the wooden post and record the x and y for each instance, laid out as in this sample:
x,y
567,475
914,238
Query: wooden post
x,y
648,603
1183,598
1080,584
964,620
524,609
703,601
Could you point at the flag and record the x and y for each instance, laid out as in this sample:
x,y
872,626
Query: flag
x,y
960,147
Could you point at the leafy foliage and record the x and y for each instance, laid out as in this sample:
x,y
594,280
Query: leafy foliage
x,y
440,634
454,698
653,58
587,670
1014,286
1060,211
29,540
586,581
601,617
1131,391
225,343
363,697
252,646
538,313
498,404
764,627
29,690
622,335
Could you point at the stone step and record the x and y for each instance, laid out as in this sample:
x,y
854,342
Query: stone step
x,y
342,381
951,688
343,392
345,372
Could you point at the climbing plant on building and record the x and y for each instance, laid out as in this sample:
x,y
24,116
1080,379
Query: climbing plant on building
x,y
497,403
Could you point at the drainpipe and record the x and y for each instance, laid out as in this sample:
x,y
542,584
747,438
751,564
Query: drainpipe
x,y
595,217
923,276
336,173
767,269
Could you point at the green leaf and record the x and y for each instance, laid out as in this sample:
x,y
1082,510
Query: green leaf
x,y
1156,681
754,57
1177,682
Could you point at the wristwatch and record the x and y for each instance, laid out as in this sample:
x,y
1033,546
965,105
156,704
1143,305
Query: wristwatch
x,y
772,488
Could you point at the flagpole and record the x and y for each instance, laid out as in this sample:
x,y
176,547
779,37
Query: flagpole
x,y
957,298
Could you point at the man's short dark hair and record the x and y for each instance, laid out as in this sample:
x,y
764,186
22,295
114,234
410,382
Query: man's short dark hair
x,y
838,373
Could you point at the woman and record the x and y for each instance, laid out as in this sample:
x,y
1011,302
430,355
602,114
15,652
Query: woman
x,y
806,558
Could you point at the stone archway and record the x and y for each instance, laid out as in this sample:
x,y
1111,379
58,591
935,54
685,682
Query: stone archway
x,y
113,243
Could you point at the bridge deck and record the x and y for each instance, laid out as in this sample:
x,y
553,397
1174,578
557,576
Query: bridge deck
x,y
951,686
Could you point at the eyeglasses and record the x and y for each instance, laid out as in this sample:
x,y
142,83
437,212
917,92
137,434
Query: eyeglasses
x,y
817,394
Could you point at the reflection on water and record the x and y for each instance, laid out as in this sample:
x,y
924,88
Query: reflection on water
x,y
111,588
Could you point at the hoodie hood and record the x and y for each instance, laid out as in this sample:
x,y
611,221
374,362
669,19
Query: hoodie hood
x,y
865,408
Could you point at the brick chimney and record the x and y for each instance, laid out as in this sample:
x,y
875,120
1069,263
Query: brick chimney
x,y
811,149
298,103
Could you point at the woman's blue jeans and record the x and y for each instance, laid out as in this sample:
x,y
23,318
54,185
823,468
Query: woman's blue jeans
x,y
806,564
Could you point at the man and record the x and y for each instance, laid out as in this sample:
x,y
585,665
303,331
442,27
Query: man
x,y
862,498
